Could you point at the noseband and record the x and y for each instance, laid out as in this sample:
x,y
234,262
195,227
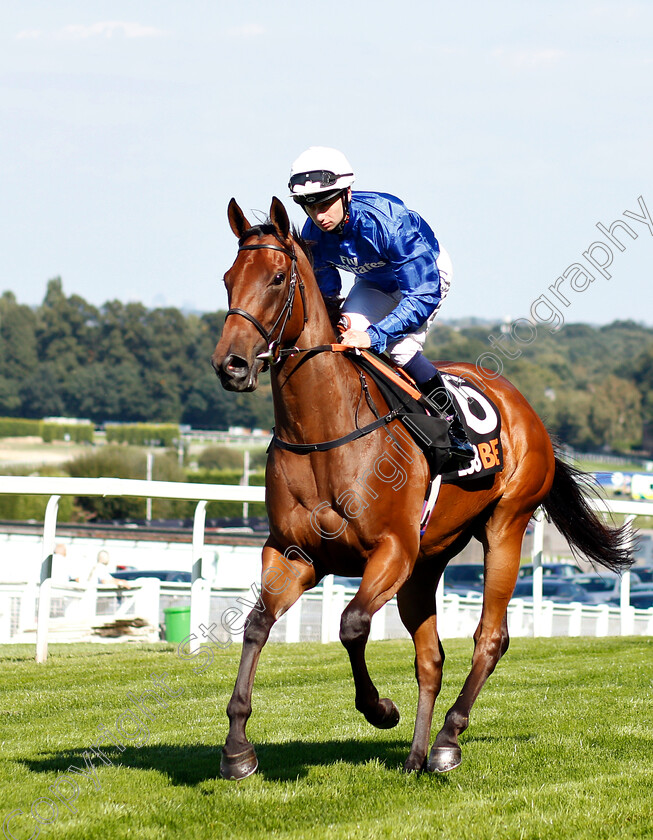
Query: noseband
x,y
274,354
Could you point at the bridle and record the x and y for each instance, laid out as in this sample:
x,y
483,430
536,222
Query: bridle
x,y
274,354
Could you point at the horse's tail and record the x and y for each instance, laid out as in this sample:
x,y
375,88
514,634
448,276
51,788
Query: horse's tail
x,y
568,508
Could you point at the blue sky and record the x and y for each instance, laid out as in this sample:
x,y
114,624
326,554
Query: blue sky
x,y
513,128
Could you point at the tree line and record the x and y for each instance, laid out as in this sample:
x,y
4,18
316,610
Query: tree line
x,y
123,362
592,386
119,362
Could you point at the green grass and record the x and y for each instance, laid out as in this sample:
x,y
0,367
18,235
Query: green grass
x,y
560,745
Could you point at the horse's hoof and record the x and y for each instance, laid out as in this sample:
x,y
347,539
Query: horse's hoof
x,y
444,759
240,766
389,717
414,765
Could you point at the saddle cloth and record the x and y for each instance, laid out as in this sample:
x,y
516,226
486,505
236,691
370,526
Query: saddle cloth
x,y
482,422
478,414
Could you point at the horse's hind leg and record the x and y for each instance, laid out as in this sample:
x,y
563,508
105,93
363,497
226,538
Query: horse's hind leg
x,y
416,601
284,580
503,539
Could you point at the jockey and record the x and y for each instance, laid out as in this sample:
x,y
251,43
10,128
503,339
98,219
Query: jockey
x,y
402,274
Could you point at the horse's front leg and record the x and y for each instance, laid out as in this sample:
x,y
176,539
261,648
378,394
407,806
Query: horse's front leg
x,y
283,581
384,574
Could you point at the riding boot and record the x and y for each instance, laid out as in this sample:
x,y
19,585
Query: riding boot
x,y
462,452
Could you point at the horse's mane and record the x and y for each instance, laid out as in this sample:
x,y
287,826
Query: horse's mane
x,y
333,303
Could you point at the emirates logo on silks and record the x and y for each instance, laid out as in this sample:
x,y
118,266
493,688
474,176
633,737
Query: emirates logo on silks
x,y
351,264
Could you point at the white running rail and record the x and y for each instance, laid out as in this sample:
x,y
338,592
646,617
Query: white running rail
x,y
538,619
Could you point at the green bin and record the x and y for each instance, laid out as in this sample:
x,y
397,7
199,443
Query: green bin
x,y
177,621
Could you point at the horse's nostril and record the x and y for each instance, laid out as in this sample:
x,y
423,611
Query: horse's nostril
x,y
235,364
233,367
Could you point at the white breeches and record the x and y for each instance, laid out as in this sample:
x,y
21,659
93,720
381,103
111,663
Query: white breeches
x,y
366,304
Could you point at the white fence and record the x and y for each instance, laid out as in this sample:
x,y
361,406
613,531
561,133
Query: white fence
x,y
26,610
106,614
79,613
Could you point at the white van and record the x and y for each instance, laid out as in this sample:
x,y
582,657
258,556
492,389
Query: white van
x,y
642,486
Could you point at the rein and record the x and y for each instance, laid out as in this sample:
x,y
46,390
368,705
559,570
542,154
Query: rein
x,y
323,446
307,448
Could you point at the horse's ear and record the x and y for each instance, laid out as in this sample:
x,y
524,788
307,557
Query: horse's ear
x,y
279,218
237,220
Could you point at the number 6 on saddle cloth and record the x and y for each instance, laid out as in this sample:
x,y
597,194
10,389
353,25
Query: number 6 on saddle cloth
x,y
476,412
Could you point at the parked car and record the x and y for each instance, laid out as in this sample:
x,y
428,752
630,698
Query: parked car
x,y
463,578
347,582
601,587
642,599
644,573
462,591
560,590
167,576
565,570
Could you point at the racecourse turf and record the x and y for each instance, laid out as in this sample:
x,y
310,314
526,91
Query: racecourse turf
x,y
560,745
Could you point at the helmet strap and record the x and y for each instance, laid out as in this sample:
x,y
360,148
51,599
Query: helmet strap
x,y
345,212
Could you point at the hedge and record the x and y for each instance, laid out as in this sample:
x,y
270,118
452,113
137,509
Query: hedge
x,y
143,434
18,427
23,508
218,510
77,432
126,462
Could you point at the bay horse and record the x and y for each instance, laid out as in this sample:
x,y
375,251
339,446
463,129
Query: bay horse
x,y
335,510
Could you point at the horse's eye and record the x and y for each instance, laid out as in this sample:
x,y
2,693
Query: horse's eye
x,y
279,278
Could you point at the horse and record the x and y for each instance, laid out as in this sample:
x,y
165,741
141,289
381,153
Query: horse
x,y
353,507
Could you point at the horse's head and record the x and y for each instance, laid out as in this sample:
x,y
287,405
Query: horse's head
x,y
265,311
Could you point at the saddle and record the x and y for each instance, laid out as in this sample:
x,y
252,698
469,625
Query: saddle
x,y
477,413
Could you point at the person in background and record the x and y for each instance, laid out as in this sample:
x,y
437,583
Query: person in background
x,y
59,563
100,572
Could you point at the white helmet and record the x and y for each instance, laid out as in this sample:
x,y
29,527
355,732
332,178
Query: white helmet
x,y
319,174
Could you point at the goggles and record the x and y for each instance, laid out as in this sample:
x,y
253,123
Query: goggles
x,y
320,177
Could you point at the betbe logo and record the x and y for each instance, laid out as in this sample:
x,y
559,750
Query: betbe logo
x,y
487,456
489,453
